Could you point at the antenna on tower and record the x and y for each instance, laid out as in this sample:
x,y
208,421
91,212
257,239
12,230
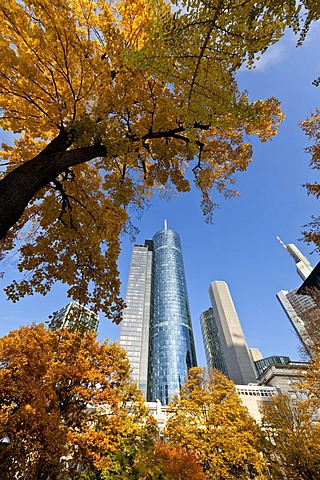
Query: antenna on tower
x,y
284,246
165,225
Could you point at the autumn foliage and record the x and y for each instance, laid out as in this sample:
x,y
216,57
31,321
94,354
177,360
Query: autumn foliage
x,y
65,402
292,438
311,128
71,411
210,421
178,463
109,102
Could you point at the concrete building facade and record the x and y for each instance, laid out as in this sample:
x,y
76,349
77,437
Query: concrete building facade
x,y
239,363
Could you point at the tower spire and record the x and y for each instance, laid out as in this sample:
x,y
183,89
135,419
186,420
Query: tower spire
x,y
165,225
284,246
303,265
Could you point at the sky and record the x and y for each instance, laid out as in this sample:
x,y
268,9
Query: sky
x,y
240,246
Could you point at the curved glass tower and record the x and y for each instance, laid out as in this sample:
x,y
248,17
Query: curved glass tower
x,y
172,350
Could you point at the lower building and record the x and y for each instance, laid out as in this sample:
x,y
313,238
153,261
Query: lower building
x,y
284,377
255,354
76,317
254,397
264,363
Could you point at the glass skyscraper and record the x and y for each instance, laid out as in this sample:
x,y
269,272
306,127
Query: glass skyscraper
x,y
295,304
76,317
172,350
156,330
212,343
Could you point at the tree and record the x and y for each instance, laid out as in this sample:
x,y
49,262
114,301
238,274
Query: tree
x,y
311,128
210,420
135,458
110,101
178,463
66,401
292,443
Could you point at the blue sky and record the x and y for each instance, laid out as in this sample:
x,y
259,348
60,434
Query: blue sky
x,y
240,247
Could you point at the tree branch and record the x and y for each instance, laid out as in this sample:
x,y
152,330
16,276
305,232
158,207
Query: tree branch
x,y
20,185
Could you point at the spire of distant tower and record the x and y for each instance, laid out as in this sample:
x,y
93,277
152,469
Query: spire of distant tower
x,y
303,265
284,246
165,225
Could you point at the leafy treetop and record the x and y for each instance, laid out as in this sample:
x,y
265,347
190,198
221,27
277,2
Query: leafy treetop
x,y
210,421
110,101
64,396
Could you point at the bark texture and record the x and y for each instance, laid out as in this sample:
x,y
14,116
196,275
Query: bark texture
x,y
21,184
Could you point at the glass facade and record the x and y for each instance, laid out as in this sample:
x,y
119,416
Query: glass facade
x,y
264,363
75,316
211,340
172,350
134,332
295,305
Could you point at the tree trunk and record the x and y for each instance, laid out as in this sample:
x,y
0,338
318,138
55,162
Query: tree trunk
x,y
21,184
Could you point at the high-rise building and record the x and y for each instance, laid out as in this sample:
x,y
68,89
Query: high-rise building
x,y
212,343
156,330
295,304
239,363
172,350
75,316
303,266
135,325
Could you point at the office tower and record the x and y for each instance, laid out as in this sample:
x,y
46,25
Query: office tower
x,y
295,304
238,360
134,331
212,343
76,317
311,285
156,329
172,350
303,266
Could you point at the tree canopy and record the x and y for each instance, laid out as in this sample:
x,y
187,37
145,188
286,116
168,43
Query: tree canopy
x,y
311,127
65,402
110,101
210,421
292,438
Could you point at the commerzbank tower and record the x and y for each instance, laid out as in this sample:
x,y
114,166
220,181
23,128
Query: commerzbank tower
x,y
156,330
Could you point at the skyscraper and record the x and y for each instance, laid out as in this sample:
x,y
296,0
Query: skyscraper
x,y
294,304
75,316
172,350
239,363
303,266
212,343
135,325
156,329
